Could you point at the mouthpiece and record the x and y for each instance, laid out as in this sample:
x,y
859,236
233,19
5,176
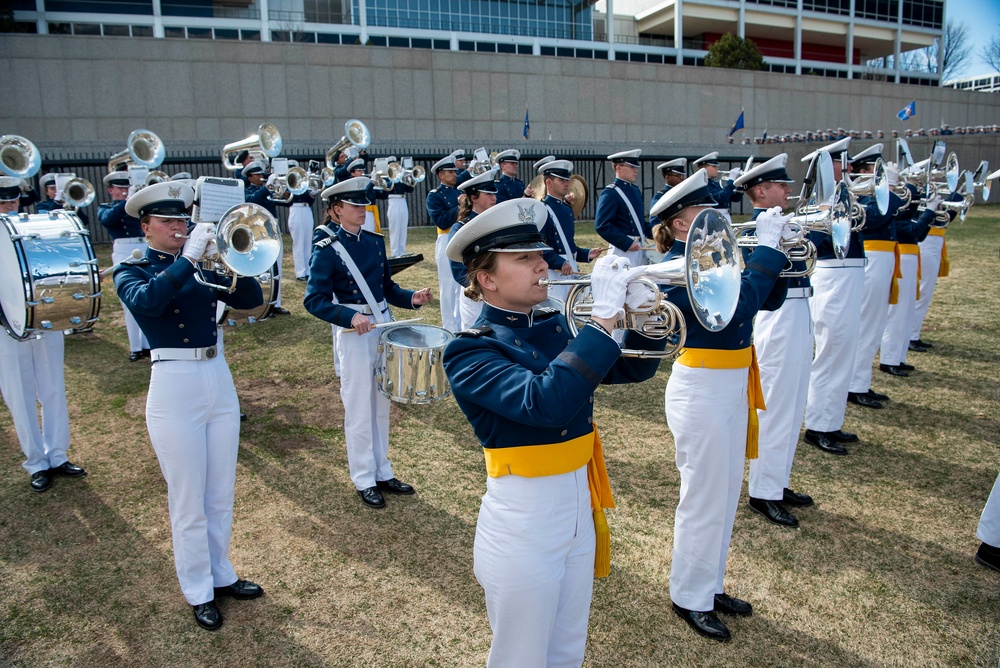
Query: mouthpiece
x,y
178,235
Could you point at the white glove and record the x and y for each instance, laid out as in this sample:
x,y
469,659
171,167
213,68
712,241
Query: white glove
x,y
608,284
197,242
791,232
271,179
212,249
892,173
734,173
770,226
133,190
637,295
934,202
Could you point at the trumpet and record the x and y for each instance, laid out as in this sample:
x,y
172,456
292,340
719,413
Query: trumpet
x,y
19,158
874,185
356,134
295,182
709,271
397,173
796,249
267,143
980,181
247,244
143,148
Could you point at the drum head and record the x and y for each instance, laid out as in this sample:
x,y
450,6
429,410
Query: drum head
x,y
13,302
417,336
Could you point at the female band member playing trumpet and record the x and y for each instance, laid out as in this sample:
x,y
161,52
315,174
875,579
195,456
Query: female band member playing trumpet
x,y
192,413
528,390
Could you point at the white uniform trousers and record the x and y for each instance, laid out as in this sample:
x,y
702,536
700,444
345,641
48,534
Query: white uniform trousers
x,y
398,213
300,226
366,410
281,257
534,558
836,308
930,264
193,418
784,343
469,310
707,414
122,249
636,258
32,371
896,337
874,312
451,318
369,223
989,524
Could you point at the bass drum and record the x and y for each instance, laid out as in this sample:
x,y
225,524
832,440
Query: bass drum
x,y
49,280
409,368
230,317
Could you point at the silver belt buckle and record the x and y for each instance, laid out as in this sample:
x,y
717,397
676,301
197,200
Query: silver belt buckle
x,y
210,352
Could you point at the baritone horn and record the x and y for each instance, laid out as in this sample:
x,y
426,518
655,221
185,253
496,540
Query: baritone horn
x,y
709,271
267,142
356,134
19,158
78,193
247,242
143,148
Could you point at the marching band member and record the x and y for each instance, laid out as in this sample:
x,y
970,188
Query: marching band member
x,y
243,158
933,265
397,213
783,340
880,270
509,186
541,161
442,209
712,388
480,194
31,374
836,313
48,185
528,392
258,191
673,171
300,227
560,228
617,218
726,195
192,412
460,166
988,531
350,285
127,236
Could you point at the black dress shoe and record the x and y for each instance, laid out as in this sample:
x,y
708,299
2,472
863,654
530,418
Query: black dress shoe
x,y
394,486
893,370
302,278
877,396
728,605
790,498
705,623
69,470
243,417
280,311
906,367
863,400
134,356
841,436
41,481
774,513
988,556
823,441
918,347
241,590
372,497
208,616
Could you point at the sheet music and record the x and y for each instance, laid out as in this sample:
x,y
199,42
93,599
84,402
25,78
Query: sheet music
x,y
215,197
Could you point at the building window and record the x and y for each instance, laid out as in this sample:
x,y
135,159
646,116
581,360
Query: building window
x,y
100,7
226,33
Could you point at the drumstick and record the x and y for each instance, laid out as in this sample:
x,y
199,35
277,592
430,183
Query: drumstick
x,y
387,324
136,254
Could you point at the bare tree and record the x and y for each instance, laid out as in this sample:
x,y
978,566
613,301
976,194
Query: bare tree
x,y
954,57
991,53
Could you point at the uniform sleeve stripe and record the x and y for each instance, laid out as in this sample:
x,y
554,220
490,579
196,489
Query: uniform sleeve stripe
x,y
578,365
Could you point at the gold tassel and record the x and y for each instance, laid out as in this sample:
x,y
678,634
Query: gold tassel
x,y
602,557
897,273
755,402
945,267
919,276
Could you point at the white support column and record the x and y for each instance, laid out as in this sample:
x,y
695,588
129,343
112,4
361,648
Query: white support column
x,y
536,47
850,48
157,19
363,20
899,39
611,29
265,21
798,39
741,28
41,24
679,30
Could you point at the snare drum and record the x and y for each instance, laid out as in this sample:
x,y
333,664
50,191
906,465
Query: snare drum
x,y
48,274
409,368
230,317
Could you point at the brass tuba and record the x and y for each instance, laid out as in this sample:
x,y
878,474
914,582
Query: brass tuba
x,y
143,148
356,134
709,270
247,242
19,158
267,143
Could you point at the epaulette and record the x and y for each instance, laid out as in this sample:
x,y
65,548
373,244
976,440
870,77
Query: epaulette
x,y
611,186
433,190
374,234
475,332
545,312
135,261
323,243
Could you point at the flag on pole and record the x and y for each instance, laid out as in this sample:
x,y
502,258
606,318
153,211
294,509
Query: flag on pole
x,y
909,111
527,125
763,137
738,125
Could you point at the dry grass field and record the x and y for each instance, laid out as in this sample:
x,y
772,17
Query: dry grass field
x,y
880,574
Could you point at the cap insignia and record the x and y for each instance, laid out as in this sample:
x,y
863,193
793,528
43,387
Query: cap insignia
x,y
526,214
174,192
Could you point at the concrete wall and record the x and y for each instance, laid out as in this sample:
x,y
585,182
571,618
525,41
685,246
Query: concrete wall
x,y
85,91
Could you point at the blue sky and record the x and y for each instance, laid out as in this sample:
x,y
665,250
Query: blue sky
x,y
982,18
